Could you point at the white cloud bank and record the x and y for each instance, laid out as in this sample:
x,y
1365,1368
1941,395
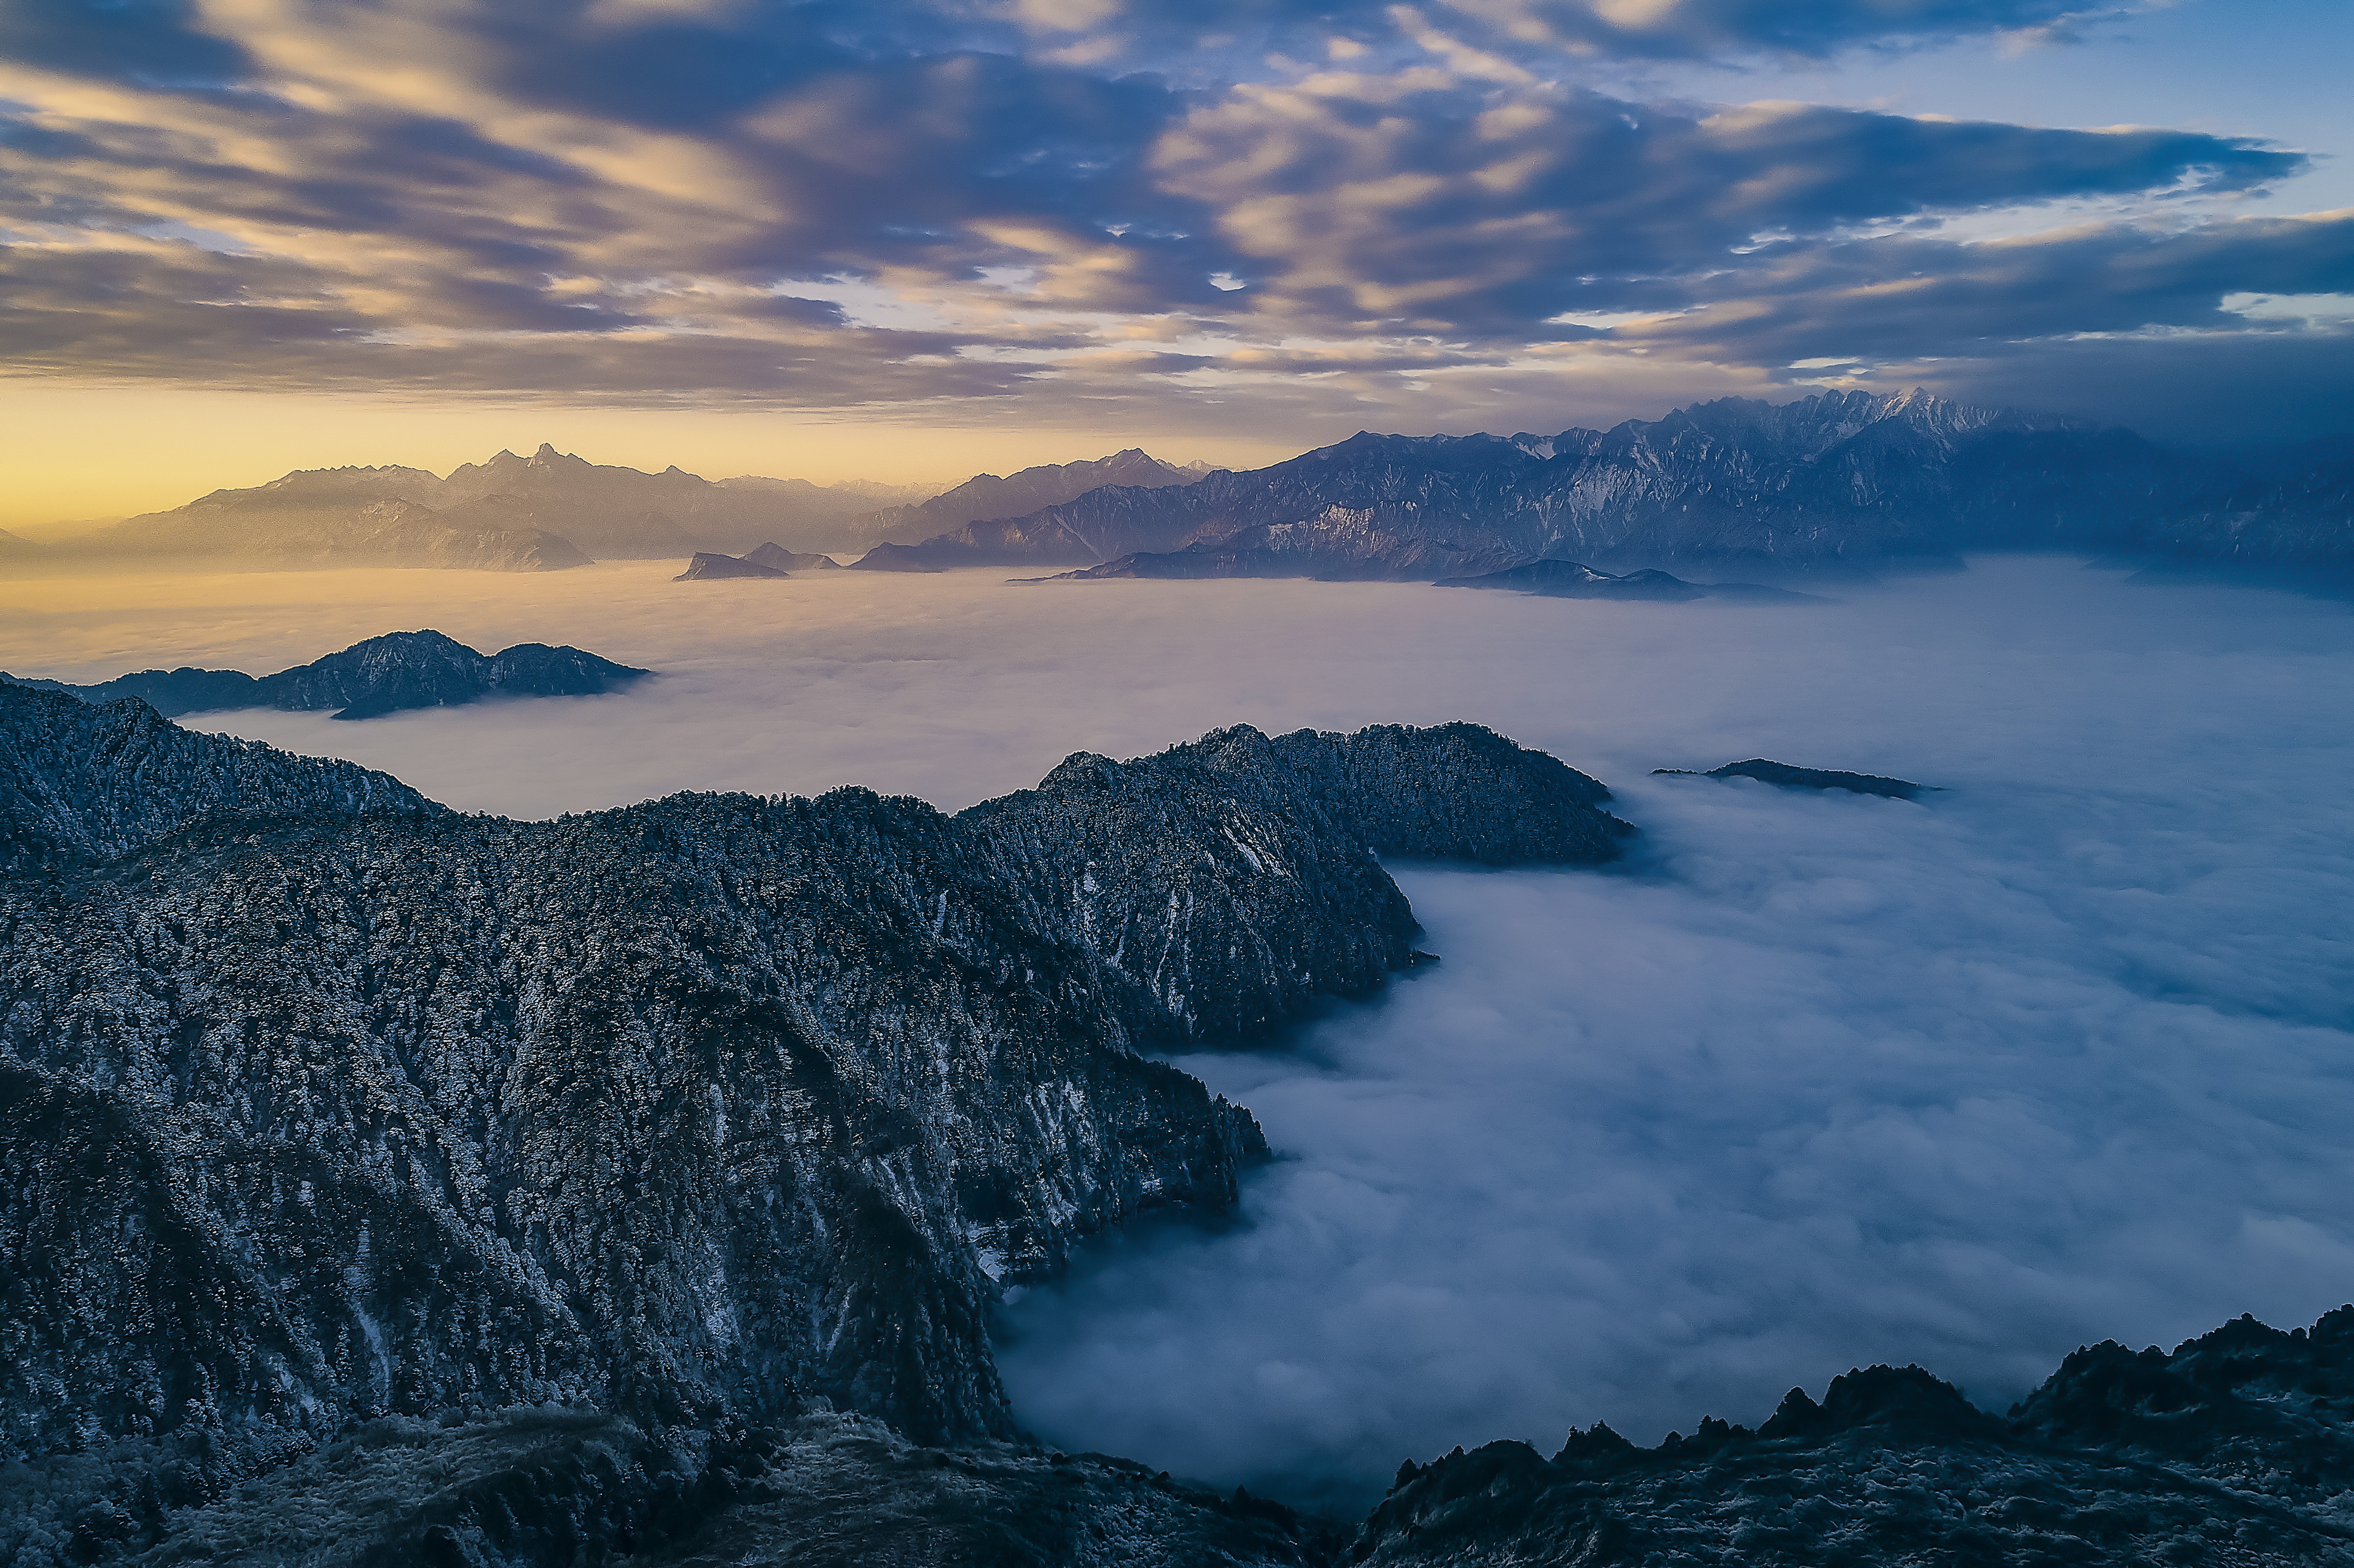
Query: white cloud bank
x,y
2059,1055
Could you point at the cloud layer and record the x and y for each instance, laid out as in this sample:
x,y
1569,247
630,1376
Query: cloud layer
x,y
907,208
2058,1056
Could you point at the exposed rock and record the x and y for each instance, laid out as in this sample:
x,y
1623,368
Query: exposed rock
x,y
707,566
1457,792
1222,925
784,560
398,671
2236,1448
1790,778
689,1112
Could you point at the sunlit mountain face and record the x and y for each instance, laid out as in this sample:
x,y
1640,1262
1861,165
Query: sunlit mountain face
x,y
1106,782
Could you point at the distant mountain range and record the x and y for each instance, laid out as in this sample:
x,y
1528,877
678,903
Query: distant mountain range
x,y
386,675
542,513
1048,484
552,510
1832,483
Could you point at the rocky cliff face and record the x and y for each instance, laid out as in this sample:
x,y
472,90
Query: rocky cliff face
x,y
398,671
694,1111
2236,1448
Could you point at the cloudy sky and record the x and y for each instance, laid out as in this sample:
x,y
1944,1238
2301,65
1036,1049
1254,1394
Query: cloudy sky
x,y
898,236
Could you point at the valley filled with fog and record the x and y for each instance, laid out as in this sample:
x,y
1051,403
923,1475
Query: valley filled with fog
x,y
1812,1081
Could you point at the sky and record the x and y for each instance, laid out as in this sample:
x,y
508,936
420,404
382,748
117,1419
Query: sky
x,y
2058,1055
910,240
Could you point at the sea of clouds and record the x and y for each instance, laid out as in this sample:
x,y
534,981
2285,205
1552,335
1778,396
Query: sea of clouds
x,y
2058,1056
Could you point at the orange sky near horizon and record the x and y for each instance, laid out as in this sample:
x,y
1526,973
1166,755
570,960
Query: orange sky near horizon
x,y
87,451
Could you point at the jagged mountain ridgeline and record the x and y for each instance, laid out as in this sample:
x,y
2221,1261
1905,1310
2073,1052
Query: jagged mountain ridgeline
x,y
542,513
391,1186
397,672
324,1104
1830,485
1834,482
552,511
1027,490
2237,1449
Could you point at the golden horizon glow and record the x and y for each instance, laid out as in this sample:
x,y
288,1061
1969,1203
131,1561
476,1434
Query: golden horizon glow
x,y
82,452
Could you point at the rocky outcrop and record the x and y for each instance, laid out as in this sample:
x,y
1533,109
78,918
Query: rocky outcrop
x,y
691,1112
1789,778
1221,922
775,555
707,566
2235,1448
392,674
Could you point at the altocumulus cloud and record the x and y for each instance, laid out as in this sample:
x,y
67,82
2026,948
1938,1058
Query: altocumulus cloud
x,y
911,208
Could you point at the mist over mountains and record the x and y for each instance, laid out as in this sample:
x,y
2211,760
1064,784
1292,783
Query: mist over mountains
x,y
542,513
198,876
884,1061
1048,484
397,672
554,510
1837,482
1833,484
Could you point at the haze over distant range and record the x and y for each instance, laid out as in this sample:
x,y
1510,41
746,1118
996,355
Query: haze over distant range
x,y
868,231
1837,482
2055,1055
548,512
